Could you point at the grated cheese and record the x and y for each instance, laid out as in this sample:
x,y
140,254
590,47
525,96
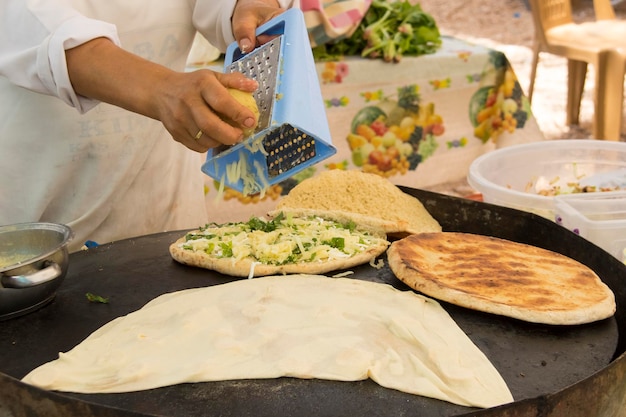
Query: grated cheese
x,y
377,264
220,190
233,171
262,176
253,182
251,274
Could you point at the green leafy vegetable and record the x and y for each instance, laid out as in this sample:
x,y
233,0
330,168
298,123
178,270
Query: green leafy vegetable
x,y
210,248
258,224
351,226
389,30
227,249
337,243
96,298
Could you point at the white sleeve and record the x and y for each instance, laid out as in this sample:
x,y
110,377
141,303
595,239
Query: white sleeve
x,y
33,38
214,22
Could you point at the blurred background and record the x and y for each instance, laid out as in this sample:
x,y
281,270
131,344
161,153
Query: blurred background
x,y
507,25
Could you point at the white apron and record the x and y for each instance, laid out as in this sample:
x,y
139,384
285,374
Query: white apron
x,y
108,173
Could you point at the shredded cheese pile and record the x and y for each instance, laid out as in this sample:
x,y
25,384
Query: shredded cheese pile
x,y
282,240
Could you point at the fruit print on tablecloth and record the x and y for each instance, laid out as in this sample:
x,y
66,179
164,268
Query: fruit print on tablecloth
x,y
500,106
394,134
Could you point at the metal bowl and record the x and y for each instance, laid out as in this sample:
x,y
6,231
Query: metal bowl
x,y
33,263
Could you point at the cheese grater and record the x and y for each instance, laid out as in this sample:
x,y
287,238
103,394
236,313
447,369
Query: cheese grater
x,y
293,131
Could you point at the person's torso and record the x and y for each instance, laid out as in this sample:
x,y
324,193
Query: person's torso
x,y
98,171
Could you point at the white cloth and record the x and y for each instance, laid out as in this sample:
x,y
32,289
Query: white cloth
x,y
106,172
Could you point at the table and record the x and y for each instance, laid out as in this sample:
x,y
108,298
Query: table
x,y
420,122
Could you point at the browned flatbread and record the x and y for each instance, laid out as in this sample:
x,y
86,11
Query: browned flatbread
x,y
367,244
501,277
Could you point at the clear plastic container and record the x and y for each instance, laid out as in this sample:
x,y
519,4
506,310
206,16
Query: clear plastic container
x,y
598,217
517,175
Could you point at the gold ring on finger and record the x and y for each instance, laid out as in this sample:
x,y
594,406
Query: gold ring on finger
x,y
198,135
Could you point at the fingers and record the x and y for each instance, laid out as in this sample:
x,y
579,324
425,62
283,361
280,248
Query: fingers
x,y
226,107
200,102
207,130
204,142
230,109
200,141
250,14
238,81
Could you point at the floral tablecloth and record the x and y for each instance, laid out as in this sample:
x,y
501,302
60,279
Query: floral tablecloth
x,y
420,122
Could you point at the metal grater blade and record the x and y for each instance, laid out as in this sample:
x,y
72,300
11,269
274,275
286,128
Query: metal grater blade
x,y
286,148
262,65
292,132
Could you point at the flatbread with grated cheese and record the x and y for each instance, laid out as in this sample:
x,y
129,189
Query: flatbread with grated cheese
x,y
283,326
501,277
283,245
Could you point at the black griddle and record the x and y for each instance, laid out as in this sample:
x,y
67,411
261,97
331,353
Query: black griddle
x,y
541,364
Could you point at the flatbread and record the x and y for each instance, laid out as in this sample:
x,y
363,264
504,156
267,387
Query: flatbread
x,y
293,326
501,277
283,245
368,199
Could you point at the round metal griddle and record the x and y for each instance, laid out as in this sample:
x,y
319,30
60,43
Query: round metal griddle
x,y
551,370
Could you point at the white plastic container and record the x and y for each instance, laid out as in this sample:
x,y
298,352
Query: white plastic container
x,y
598,217
514,176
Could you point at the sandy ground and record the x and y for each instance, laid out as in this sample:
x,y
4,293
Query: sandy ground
x,y
507,25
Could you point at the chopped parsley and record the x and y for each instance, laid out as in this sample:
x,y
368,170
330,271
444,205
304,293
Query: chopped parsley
x,y
93,298
337,243
256,223
227,249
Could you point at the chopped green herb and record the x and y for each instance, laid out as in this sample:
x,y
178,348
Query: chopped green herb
x,y
337,243
351,226
258,224
96,298
227,249
210,248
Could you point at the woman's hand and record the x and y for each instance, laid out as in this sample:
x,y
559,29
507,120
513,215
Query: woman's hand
x,y
248,16
191,105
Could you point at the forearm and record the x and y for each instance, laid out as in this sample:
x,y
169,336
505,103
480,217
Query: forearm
x,y
185,102
103,71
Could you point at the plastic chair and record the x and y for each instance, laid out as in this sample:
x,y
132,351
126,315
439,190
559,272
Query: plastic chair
x,y
603,10
601,43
